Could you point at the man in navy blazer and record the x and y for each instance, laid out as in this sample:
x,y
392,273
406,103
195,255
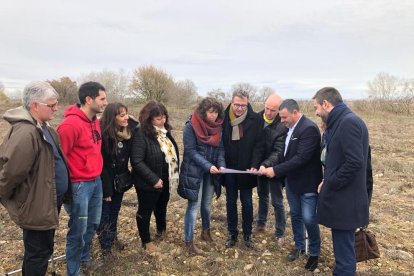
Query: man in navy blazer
x,y
302,171
343,197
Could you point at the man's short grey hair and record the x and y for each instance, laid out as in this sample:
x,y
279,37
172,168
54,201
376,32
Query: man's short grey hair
x,y
290,105
240,93
38,91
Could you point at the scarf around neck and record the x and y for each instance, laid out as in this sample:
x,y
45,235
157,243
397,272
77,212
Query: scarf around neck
x,y
267,121
206,132
237,131
167,147
123,134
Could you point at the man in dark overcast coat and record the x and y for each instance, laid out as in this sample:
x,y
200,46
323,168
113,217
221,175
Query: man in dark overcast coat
x,y
343,197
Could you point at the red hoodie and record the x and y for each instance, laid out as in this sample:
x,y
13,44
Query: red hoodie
x,y
81,143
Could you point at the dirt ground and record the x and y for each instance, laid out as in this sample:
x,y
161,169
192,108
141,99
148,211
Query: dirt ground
x,y
392,220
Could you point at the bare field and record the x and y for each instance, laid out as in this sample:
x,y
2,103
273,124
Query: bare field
x,y
392,219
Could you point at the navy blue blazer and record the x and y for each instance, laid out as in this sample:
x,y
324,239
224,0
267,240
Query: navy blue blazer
x,y
343,200
302,166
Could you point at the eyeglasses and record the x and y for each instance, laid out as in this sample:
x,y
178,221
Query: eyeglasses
x,y
51,106
240,106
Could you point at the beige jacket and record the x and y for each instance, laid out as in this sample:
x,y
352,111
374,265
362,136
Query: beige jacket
x,y
27,184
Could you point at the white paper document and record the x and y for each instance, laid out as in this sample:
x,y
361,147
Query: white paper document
x,y
225,170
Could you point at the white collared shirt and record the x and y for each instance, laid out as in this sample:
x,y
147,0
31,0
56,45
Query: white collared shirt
x,y
289,134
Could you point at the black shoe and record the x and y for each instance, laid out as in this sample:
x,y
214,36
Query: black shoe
x,y
248,241
295,254
231,240
312,263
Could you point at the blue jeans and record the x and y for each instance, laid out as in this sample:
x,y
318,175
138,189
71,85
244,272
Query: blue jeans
x,y
303,213
276,192
232,193
205,195
344,251
109,221
84,216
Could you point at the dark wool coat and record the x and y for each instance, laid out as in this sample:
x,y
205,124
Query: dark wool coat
x,y
198,158
302,166
343,200
246,152
148,161
274,136
120,161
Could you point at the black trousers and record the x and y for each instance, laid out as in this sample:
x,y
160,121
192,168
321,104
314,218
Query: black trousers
x,y
152,202
38,247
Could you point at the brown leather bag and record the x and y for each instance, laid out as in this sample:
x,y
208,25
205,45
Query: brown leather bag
x,y
366,246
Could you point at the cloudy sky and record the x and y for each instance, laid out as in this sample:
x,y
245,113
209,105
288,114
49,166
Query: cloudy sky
x,y
295,47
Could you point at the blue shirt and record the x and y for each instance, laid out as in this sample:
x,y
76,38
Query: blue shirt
x,y
61,172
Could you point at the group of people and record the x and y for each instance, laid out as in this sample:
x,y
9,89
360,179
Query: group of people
x,y
77,166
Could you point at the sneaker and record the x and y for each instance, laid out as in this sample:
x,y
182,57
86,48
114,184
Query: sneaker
x,y
295,254
312,263
248,242
280,241
231,240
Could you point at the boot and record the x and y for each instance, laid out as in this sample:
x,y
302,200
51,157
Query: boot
x,y
150,248
248,242
231,240
206,235
161,235
193,249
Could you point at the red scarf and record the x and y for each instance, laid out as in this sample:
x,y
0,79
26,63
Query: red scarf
x,y
206,132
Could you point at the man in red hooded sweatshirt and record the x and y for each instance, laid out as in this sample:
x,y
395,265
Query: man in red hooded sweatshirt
x,y
81,142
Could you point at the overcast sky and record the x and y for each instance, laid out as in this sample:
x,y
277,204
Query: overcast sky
x,y
295,47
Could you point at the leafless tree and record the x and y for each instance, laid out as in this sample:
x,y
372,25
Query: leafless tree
x,y
383,87
117,84
252,90
183,93
67,89
218,94
151,83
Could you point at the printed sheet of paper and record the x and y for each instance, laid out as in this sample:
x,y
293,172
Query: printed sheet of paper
x,y
225,170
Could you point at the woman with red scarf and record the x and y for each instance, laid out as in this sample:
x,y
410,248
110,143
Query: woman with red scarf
x,y
202,160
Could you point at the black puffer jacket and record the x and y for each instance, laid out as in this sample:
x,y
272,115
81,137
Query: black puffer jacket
x,y
120,160
148,161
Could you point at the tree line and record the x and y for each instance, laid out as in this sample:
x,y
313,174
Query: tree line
x,y
385,91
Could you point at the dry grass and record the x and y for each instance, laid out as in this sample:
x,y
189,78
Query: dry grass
x,y
392,220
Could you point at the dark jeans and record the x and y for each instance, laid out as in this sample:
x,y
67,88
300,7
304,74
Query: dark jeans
x,y
149,202
38,247
232,193
275,188
109,221
344,251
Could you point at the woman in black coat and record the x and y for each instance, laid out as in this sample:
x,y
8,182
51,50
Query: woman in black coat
x,y
117,131
154,159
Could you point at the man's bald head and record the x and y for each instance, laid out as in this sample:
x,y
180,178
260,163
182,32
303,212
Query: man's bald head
x,y
271,106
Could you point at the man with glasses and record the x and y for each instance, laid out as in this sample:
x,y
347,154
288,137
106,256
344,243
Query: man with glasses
x,y
242,144
33,174
274,136
81,141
